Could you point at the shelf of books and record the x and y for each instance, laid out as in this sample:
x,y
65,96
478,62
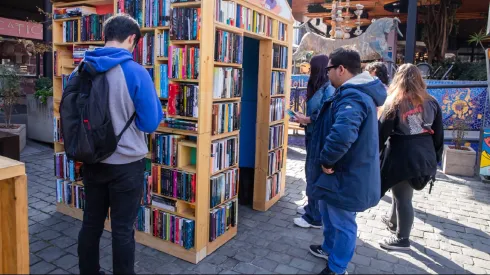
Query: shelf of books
x,y
194,51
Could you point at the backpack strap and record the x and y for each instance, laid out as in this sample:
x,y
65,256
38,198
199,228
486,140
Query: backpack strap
x,y
130,121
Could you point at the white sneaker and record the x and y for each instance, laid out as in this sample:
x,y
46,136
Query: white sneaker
x,y
302,223
301,210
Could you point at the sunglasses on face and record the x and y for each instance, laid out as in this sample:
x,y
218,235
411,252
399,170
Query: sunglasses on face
x,y
332,67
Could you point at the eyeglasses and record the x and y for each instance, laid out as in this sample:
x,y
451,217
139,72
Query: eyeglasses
x,y
332,67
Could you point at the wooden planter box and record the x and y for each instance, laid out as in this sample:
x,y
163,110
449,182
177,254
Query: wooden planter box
x,y
459,162
21,132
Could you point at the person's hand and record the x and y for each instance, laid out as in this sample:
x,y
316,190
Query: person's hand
x,y
327,171
302,119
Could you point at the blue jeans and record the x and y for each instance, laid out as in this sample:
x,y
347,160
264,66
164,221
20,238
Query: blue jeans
x,y
340,233
312,215
118,187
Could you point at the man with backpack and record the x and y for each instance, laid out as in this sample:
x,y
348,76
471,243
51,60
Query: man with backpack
x,y
107,107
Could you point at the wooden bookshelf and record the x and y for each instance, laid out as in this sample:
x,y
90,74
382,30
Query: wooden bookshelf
x,y
199,141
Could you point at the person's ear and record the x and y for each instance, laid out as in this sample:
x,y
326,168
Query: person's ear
x,y
131,39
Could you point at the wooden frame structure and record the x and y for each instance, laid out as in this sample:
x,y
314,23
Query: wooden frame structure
x,y
200,209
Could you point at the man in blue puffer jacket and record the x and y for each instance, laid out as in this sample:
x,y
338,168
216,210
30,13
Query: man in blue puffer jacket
x,y
345,163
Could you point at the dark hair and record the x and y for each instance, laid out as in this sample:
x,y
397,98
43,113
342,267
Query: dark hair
x,y
119,27
318,74
380,69
348,58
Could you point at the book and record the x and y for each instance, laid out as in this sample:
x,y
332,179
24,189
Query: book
x,y
180,124
79,52
162,44
183,100
67,169
276,111
223,187
70,31
277,83
228,47
91,27
276,136
163,203
174,183
227,82
185,24
134,8
164,149
143,52
157,13
77,11
161,81
279,57
147,187
69,193
224,154
225,117
57,134
222,219
183,62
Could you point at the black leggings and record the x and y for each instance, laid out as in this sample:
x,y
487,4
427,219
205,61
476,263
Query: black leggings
x,y
402,214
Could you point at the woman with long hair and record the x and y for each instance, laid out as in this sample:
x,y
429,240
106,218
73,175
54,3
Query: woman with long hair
x,y
317,92
412,139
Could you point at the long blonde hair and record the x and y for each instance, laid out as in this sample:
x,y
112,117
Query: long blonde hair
x,y
407,90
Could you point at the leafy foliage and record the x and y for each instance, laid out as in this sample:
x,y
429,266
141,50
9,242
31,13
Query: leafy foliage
x,y
9,92
477,38
474,71
44,89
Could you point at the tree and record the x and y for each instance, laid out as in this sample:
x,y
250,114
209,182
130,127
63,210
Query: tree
x,y
439,17
477,39
9,92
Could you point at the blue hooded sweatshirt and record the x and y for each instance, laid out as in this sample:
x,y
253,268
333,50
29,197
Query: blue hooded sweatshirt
x,y
345,138
131,90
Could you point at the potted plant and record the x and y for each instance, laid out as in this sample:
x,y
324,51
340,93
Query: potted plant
x,y
9,94
40,111
458,159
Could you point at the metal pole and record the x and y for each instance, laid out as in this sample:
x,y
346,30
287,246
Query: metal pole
x,y
47,38
411,37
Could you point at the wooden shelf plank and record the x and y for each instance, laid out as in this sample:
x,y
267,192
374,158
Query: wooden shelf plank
x,y
184,80
275,149
276,122
67,19
192,4
224,202
176,131
227,99
279,69
183,117
278,95
188,143
82,2
172,198
183,215
223,64
224,170
228,28
90,43
161,58
225,135
183,169
185,42
163,28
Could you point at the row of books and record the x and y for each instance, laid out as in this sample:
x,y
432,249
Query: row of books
x,y
64,81
228,47
227,82
275,161
143,52
61,56
186,24
163,203
60,13
173,183
223,186
166,226
180,124
222,219
231,13
273,186
134,8
147,189
276,136
161,81
70,31
157,13
68,169
225,117
69,193
276,111
279,57
163,42
91,27
183,62
79,52
57,136
182,100
278,82
164,149
224,154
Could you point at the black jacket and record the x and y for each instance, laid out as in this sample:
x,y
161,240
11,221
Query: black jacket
x,y
411,147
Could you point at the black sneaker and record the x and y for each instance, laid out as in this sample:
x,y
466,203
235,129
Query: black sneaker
x,y
327,271
391,227
317,251
395,243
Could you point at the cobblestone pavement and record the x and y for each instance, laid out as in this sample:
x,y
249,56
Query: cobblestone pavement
x,y
450,234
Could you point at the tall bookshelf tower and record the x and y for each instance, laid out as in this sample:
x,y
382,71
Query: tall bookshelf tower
x,y
200,68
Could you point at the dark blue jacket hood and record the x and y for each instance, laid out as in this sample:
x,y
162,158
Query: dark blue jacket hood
x,y
369,85
104,59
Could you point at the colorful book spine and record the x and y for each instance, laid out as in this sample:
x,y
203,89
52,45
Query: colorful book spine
x,y
225,117
185,24
184,100
276,136
174,183
163,81
279,57
164,149
227,82
273,185
222,219
224,154
66,168
228,47
277,83
276,111
223,187
183,62
275,160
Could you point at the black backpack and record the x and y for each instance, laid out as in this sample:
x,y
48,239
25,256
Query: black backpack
x,y
86,123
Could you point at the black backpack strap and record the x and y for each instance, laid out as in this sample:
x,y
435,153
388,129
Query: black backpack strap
x,y
126,126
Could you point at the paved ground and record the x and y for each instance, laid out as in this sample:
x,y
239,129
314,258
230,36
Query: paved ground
x,y
450,235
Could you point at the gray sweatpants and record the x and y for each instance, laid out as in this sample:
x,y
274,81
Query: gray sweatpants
x,y
402,215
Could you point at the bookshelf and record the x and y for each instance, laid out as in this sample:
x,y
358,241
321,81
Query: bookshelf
x,y
193,173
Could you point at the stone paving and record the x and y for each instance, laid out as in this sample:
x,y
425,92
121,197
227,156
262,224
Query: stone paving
x,y
450,234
